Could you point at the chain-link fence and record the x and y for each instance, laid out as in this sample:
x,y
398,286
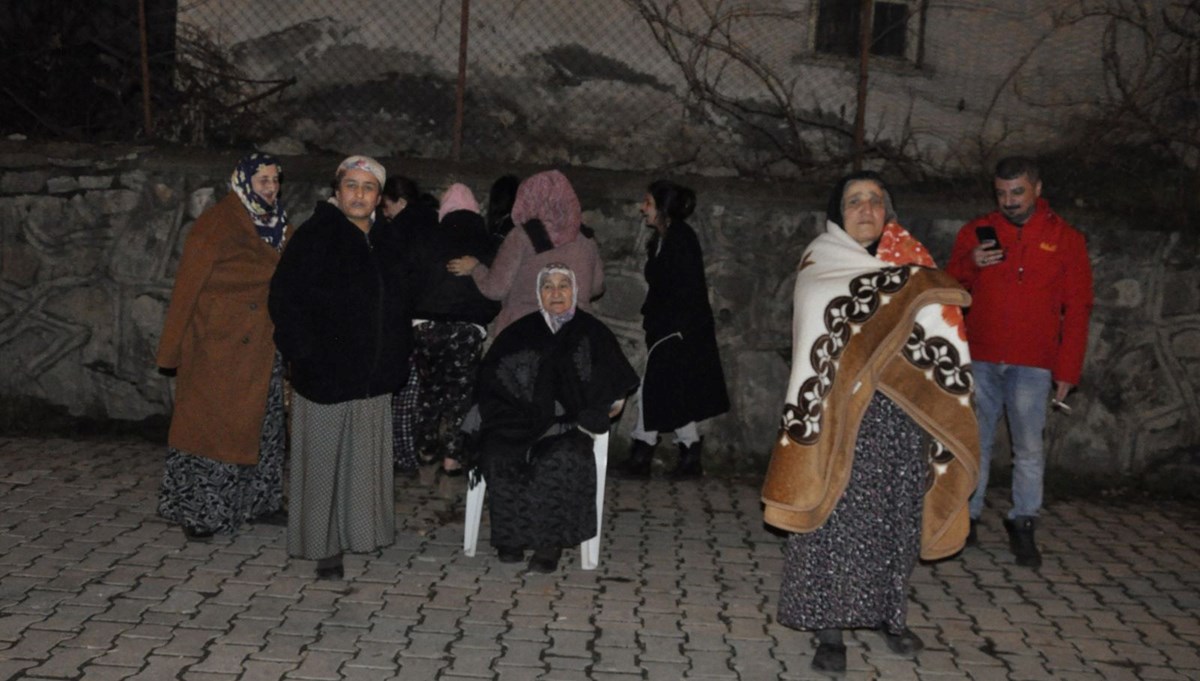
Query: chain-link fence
x,y
712,86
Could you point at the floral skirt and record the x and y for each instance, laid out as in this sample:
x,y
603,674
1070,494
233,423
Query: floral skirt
x,y
447,359
853,571
213,496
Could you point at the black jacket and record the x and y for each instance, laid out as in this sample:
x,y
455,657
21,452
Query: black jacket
x,y
342,310
443,296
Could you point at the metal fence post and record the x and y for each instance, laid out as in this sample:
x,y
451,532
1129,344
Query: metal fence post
x,y
148,118
461,88
866,13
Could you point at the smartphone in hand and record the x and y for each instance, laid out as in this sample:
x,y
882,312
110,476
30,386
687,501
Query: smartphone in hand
x,y
988,233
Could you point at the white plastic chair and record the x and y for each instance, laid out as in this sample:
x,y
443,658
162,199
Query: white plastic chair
x,y
589,551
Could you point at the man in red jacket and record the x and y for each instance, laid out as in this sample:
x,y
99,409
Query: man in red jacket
x,y
1031,287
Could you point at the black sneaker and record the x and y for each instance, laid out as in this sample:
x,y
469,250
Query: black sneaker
x,y
1022,542
830,657
197,535
905,643
972,536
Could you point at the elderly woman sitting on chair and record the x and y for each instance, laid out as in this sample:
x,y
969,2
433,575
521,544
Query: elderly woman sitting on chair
x,y
552,381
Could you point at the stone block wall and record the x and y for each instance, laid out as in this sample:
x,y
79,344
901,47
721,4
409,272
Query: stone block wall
x,y
90,238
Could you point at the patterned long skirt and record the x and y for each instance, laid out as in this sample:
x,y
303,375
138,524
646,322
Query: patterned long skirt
x,y
853,572
213,496
404,420
341,477
447,358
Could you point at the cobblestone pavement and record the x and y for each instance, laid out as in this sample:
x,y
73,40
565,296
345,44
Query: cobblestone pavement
x,y
94,586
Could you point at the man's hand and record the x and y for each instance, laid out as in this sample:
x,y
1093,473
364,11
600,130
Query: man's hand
x,y
985,254
1061,390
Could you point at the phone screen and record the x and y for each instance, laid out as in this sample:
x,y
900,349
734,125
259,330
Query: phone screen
x,y
987,233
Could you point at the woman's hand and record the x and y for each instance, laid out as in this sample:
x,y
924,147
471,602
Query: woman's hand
x,y
461,267
616,408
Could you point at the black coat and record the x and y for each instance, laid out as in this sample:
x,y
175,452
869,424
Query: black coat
x,y
342,311
683,381
444,296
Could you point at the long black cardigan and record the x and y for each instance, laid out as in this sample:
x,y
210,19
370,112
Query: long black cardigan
x,y
684,381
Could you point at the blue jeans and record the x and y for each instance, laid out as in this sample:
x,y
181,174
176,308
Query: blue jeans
x,y
1023,392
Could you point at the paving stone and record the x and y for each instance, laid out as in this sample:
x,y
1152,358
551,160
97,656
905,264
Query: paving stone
x,y
518,653
260,670
36,646
473,663
12,669
439,621
188,643
64,663
423,668
283,649
248,632
97,672
320,666
223,658
616,661
570,644
93,587
130,652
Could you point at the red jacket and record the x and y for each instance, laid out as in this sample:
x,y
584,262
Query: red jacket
x,y
1032,308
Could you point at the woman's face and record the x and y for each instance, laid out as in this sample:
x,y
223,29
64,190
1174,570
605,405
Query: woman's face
x,y
863,211
649,210
392,208
557,296
265,183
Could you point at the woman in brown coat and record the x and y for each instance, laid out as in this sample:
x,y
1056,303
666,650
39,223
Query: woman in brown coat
x,y
226,445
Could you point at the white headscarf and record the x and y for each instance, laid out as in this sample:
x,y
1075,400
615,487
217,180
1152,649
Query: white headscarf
x,y
556,321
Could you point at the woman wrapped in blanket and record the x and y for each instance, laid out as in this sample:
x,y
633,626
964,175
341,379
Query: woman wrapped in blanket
x,y
879,451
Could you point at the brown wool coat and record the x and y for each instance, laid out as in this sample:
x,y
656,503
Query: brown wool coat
x,y
218,336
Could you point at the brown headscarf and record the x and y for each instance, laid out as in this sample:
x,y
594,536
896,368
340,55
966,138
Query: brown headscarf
x,y
549,197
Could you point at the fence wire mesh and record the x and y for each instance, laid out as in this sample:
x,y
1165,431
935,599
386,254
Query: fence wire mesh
x,y
716,86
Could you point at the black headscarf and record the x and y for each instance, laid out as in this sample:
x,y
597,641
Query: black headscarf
x,y
833,211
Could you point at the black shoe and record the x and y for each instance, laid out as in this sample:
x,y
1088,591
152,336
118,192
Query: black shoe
x,y
545,561
905,643
830,657
637,466
972,536
509,555
277,518
1022,543
335,572
196,535
689,466
331,568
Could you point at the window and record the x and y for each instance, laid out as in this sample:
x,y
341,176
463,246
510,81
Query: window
x,y
838,26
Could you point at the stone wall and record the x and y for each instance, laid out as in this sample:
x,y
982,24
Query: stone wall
x,y
90,237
